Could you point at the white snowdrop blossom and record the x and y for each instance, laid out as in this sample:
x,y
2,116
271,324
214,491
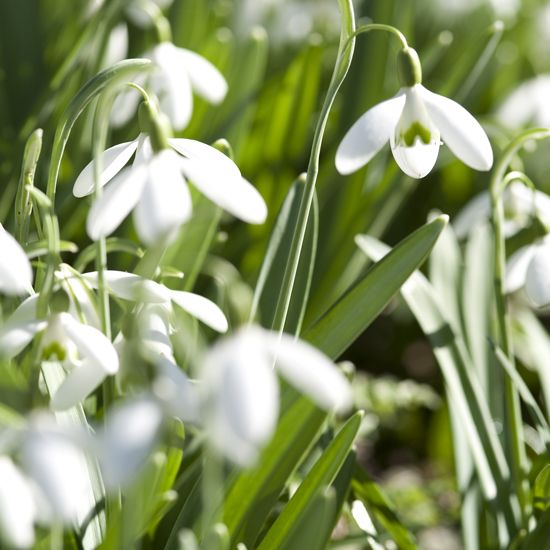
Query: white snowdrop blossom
x,y
177,74
520,204
15,268
527,104
154,186
240,395
17,506
413,122
85,353
529,268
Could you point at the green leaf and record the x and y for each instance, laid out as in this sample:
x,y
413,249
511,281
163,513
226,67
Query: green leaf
x,y
268,288
256,491
217,538
356,310
464,389
541,490
380,507
321,474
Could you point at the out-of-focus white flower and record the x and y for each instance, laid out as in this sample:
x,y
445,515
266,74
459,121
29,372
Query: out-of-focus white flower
x,y
529,268
452,8
15,268
86,354
413,122
527,104
155,187
58,467
240,390
129,286
17,506
178,73
520,204
140,11
127,440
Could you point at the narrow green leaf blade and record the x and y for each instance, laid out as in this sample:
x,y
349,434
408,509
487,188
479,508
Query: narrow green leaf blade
x,y
356,310
323,473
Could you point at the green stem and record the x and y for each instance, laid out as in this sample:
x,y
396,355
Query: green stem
x,y
345,54
513,432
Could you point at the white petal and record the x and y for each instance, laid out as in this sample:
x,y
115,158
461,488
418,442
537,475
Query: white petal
x,y
205,78
128,439
201,308
91,344
154,333
117,45
116,202
79,383
129,286
516,268
17,508
460,131
537,280
112,162
242,398
475,212
179,394
15,268
16,335
311,372
60,470
165,203
171,84
126,104
219,179
368,135
416,161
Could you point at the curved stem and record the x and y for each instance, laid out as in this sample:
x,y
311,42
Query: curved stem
x,y
381,27
513,434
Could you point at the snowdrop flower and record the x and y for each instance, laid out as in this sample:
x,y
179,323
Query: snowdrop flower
x,y
15,268
529,268
154,186
17,506
127,440
527,104
240,389
520,204
178,73
413,122
86,354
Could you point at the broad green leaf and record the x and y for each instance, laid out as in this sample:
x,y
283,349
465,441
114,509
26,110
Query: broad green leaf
x,y
356,310
464,389
381,508
256,491
321,474
217,538
268,287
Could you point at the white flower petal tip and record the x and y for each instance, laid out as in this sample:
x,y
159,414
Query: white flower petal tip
x,y
205,78
17,507
201,308
414,121
15,268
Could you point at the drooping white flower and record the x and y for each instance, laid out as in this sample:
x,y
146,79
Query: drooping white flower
x,y
139,13
127,440
413,122
178,73
240,389
520,203
86,354
527,104
15,268
529,268
154,186
17,506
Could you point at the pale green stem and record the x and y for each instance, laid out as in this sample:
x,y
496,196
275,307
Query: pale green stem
x,y
343,62
513,429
